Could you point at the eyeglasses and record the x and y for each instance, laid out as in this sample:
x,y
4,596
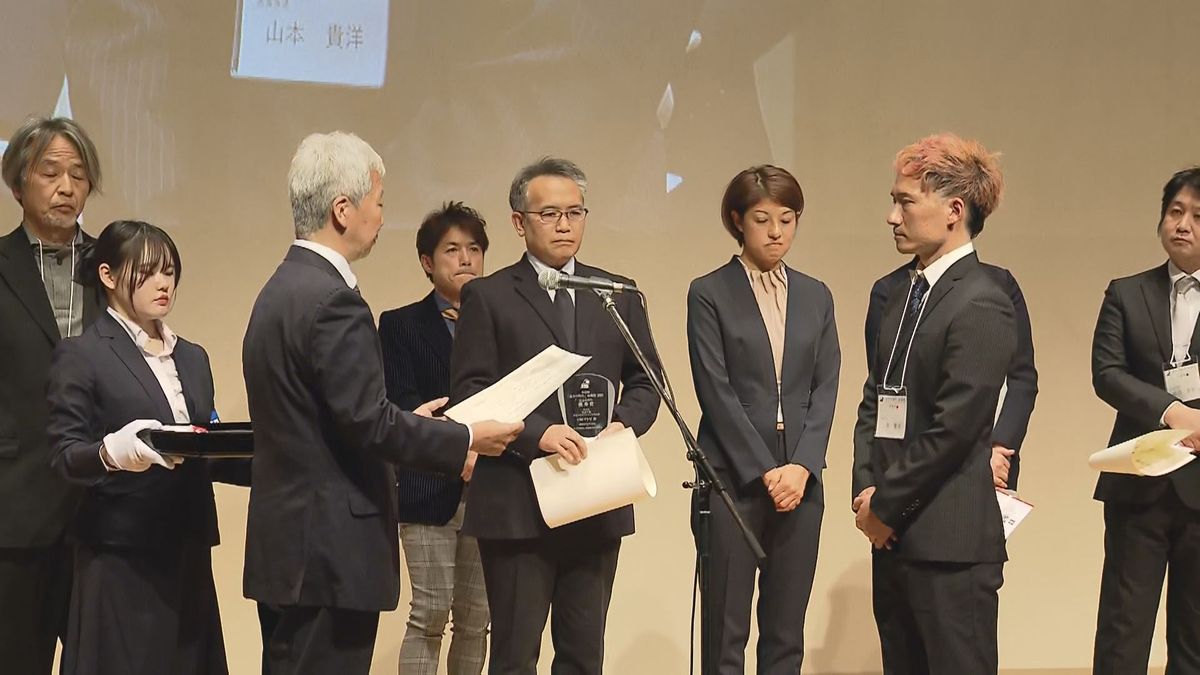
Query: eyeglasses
x,y
552,216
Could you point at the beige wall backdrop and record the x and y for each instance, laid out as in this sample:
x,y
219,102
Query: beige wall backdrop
x,y
1092,103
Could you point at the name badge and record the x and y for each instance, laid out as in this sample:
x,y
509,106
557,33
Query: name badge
x,y
891,417
1183,380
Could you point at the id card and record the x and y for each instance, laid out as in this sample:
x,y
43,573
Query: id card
x,y
891,416
1183,380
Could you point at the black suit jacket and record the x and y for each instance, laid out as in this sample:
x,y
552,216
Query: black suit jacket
x,y
99,382
734,373
37,504
1015,411
1130,346
321,530
416,367
935,485
507,319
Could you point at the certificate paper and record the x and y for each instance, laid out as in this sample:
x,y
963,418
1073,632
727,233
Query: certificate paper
x,y
1154,454
1012,510
516,395
615,474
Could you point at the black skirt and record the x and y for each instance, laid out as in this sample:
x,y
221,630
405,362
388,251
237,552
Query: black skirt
x,y
144,612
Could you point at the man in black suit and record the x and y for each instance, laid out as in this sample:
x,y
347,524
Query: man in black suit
x,y
923,492
1143,357
506,320
51,167
321,541
1017,402
443,562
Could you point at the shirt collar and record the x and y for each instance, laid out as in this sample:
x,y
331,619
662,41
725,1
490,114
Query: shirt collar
x,y
336,259
781,268
442,303
34,241
1176,274
141,338
539,266
938,267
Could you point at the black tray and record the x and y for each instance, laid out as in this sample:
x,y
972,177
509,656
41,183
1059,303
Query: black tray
x,y
220,440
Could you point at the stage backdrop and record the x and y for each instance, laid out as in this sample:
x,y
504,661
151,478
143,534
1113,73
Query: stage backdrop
x,y
197,107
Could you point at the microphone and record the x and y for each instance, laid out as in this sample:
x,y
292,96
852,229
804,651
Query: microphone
x,y
552,279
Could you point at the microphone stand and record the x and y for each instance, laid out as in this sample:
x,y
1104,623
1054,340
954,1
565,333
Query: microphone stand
x,y
706,483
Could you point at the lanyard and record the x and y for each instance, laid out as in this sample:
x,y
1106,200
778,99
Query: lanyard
x,y
900,329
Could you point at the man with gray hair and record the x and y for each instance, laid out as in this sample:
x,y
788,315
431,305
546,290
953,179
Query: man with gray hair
x,y
51,167
321,537
505,320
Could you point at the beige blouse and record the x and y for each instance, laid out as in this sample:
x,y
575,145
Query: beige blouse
x,y
770,291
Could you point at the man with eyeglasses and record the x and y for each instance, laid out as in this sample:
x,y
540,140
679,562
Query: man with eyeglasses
x,y
505,320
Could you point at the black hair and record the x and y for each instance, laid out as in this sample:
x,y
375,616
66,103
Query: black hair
x,y
1187,178
134,251
452,214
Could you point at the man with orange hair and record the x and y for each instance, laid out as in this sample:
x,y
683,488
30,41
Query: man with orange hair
x,y
923,485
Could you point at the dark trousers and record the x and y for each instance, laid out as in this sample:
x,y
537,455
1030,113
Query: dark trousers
x,y
525,578
35,592
1143,543
784,581
936,618
323,641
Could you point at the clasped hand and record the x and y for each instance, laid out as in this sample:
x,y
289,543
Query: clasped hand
x,y
877,532
786,485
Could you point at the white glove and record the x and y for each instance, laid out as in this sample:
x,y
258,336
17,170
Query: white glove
x,y
124,451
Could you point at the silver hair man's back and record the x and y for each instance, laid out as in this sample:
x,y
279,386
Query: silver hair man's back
x,y
325,167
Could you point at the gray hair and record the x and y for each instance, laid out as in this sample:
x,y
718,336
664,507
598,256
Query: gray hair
x,y
518,193
30,141
325,167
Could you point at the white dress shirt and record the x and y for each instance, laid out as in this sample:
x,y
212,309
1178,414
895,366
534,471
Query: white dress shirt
x,y
1185,308
539,267
161,364
336,259
938,267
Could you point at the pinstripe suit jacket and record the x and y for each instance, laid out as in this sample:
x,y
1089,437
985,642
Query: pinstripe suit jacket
x,y
1017,408
416,368
934,486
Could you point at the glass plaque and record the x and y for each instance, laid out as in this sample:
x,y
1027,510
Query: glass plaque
x,y
586,401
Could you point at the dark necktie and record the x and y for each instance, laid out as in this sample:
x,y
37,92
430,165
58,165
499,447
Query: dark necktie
x,y
565,308
919,289
908,325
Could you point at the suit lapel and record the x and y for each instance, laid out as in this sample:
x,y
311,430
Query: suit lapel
x,y
19,270
946,284
889,328
527,287
123,346
589,313
93,298
1156,291
745,305
188,371
793,326
432,328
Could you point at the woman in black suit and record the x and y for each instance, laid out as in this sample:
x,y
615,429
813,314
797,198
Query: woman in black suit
x,y
143,600
765,359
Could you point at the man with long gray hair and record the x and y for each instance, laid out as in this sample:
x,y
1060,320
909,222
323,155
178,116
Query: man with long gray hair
x,y
51,167
321,538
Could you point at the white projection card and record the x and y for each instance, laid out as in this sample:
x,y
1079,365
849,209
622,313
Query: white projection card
x,y
322,41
